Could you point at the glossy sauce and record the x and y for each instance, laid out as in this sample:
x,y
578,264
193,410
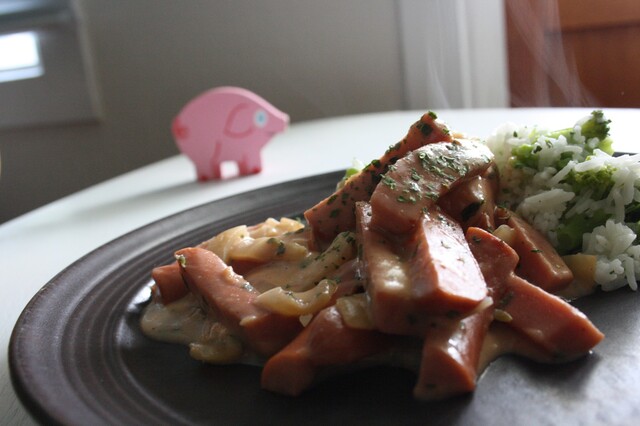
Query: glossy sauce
x,y
185,322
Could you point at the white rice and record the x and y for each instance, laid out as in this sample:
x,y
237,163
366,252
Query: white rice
x,y
542,198
618,260
544,210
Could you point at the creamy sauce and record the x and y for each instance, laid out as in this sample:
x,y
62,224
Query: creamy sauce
x,y
182,321
185,322
502,340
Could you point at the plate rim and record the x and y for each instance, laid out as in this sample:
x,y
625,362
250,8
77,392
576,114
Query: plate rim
x,y
30,392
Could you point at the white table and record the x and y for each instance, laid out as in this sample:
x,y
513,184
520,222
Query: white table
x,y
38,245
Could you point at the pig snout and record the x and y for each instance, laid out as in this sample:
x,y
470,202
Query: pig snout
x,y
276,122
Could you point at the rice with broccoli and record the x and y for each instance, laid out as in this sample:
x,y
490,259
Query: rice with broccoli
x,y
569,186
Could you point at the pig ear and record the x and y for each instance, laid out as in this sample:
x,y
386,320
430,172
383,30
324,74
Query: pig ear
x,y
239,122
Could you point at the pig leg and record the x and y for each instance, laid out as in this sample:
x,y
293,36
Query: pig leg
x,y
215,164
203,169
216,170
250,163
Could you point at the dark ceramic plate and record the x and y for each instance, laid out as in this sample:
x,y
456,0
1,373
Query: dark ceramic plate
x,y
77,355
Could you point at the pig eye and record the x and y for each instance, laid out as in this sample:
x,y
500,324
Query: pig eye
x,y
260,118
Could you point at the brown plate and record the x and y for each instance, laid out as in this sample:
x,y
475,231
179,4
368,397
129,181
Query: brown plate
x,y
77,355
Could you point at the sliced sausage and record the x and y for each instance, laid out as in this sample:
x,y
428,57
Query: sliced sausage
x,y
325,342
169,282
540,263
230,299
410,282
334,214
451,356
473,203
416,182
546,319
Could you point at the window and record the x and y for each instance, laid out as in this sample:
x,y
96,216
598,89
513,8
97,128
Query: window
x,y
19,56
44,72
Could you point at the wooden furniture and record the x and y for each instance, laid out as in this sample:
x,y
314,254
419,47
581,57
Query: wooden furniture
x,y
574,52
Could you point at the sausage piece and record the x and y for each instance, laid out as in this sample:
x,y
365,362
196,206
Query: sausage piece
x,y
451,356
230,299
445,276
325,342
386,279
433,274
334,214
419,179
549,321
540,263
473,203
169,282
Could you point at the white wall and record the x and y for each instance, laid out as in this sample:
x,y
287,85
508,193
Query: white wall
x,y
310,58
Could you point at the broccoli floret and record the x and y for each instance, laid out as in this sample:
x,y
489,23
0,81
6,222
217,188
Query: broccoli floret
x,y
356,167
570,232
525,156
599,181
595,184
593,134
597,126
632,214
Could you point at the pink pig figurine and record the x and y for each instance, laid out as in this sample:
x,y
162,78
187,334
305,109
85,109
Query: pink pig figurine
x,y
226,124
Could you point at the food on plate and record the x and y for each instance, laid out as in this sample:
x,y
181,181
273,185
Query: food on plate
x,y
440,256
584,200
335,213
